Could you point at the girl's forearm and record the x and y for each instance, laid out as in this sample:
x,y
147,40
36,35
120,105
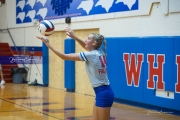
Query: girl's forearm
x,y
81,42
57,52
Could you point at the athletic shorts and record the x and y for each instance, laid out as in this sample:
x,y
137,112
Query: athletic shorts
x,y
104,96
0,67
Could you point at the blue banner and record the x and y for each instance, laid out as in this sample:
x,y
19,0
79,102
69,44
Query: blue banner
x,y
21,60
28,10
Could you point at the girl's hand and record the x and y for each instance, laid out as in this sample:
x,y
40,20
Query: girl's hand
x,y
69,32
44,40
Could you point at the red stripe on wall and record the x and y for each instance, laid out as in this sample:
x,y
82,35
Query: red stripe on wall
x,y
27,53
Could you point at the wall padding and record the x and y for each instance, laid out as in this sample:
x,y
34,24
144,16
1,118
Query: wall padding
x,y
176,72
69,66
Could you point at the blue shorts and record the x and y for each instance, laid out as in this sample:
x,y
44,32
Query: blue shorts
x,y
104,96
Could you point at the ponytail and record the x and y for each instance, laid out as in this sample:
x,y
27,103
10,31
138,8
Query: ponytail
x,y
104,44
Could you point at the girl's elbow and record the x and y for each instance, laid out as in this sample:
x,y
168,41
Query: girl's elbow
x,y
62,57
65,57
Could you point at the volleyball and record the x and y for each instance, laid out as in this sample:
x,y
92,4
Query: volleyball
x,y
46,28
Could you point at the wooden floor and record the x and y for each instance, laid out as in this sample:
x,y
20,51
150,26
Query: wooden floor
x,y
23,102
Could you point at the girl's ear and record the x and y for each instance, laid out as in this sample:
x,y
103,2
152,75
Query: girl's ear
x,y
95,43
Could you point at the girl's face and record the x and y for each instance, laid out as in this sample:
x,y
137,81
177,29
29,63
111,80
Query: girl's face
x,y
90,43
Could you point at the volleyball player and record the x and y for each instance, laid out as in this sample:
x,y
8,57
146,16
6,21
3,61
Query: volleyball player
x,y
95,60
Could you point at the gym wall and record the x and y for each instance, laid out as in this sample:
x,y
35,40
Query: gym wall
x,y
148,36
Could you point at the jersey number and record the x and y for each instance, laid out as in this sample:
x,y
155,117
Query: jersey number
x,y
103,61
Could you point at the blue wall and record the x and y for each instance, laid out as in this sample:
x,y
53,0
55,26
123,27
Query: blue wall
x,y
168,46
176,49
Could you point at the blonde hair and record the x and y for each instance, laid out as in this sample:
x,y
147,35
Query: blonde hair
x,y
99,39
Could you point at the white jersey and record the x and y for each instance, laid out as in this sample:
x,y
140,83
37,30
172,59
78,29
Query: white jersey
x,y
96,67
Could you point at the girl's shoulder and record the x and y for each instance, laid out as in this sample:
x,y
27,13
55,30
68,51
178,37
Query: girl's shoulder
x,y
98,52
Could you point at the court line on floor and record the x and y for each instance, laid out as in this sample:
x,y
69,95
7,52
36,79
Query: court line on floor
x,y
30,109
12,111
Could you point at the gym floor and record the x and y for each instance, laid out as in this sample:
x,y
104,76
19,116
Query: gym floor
x,y
23,102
